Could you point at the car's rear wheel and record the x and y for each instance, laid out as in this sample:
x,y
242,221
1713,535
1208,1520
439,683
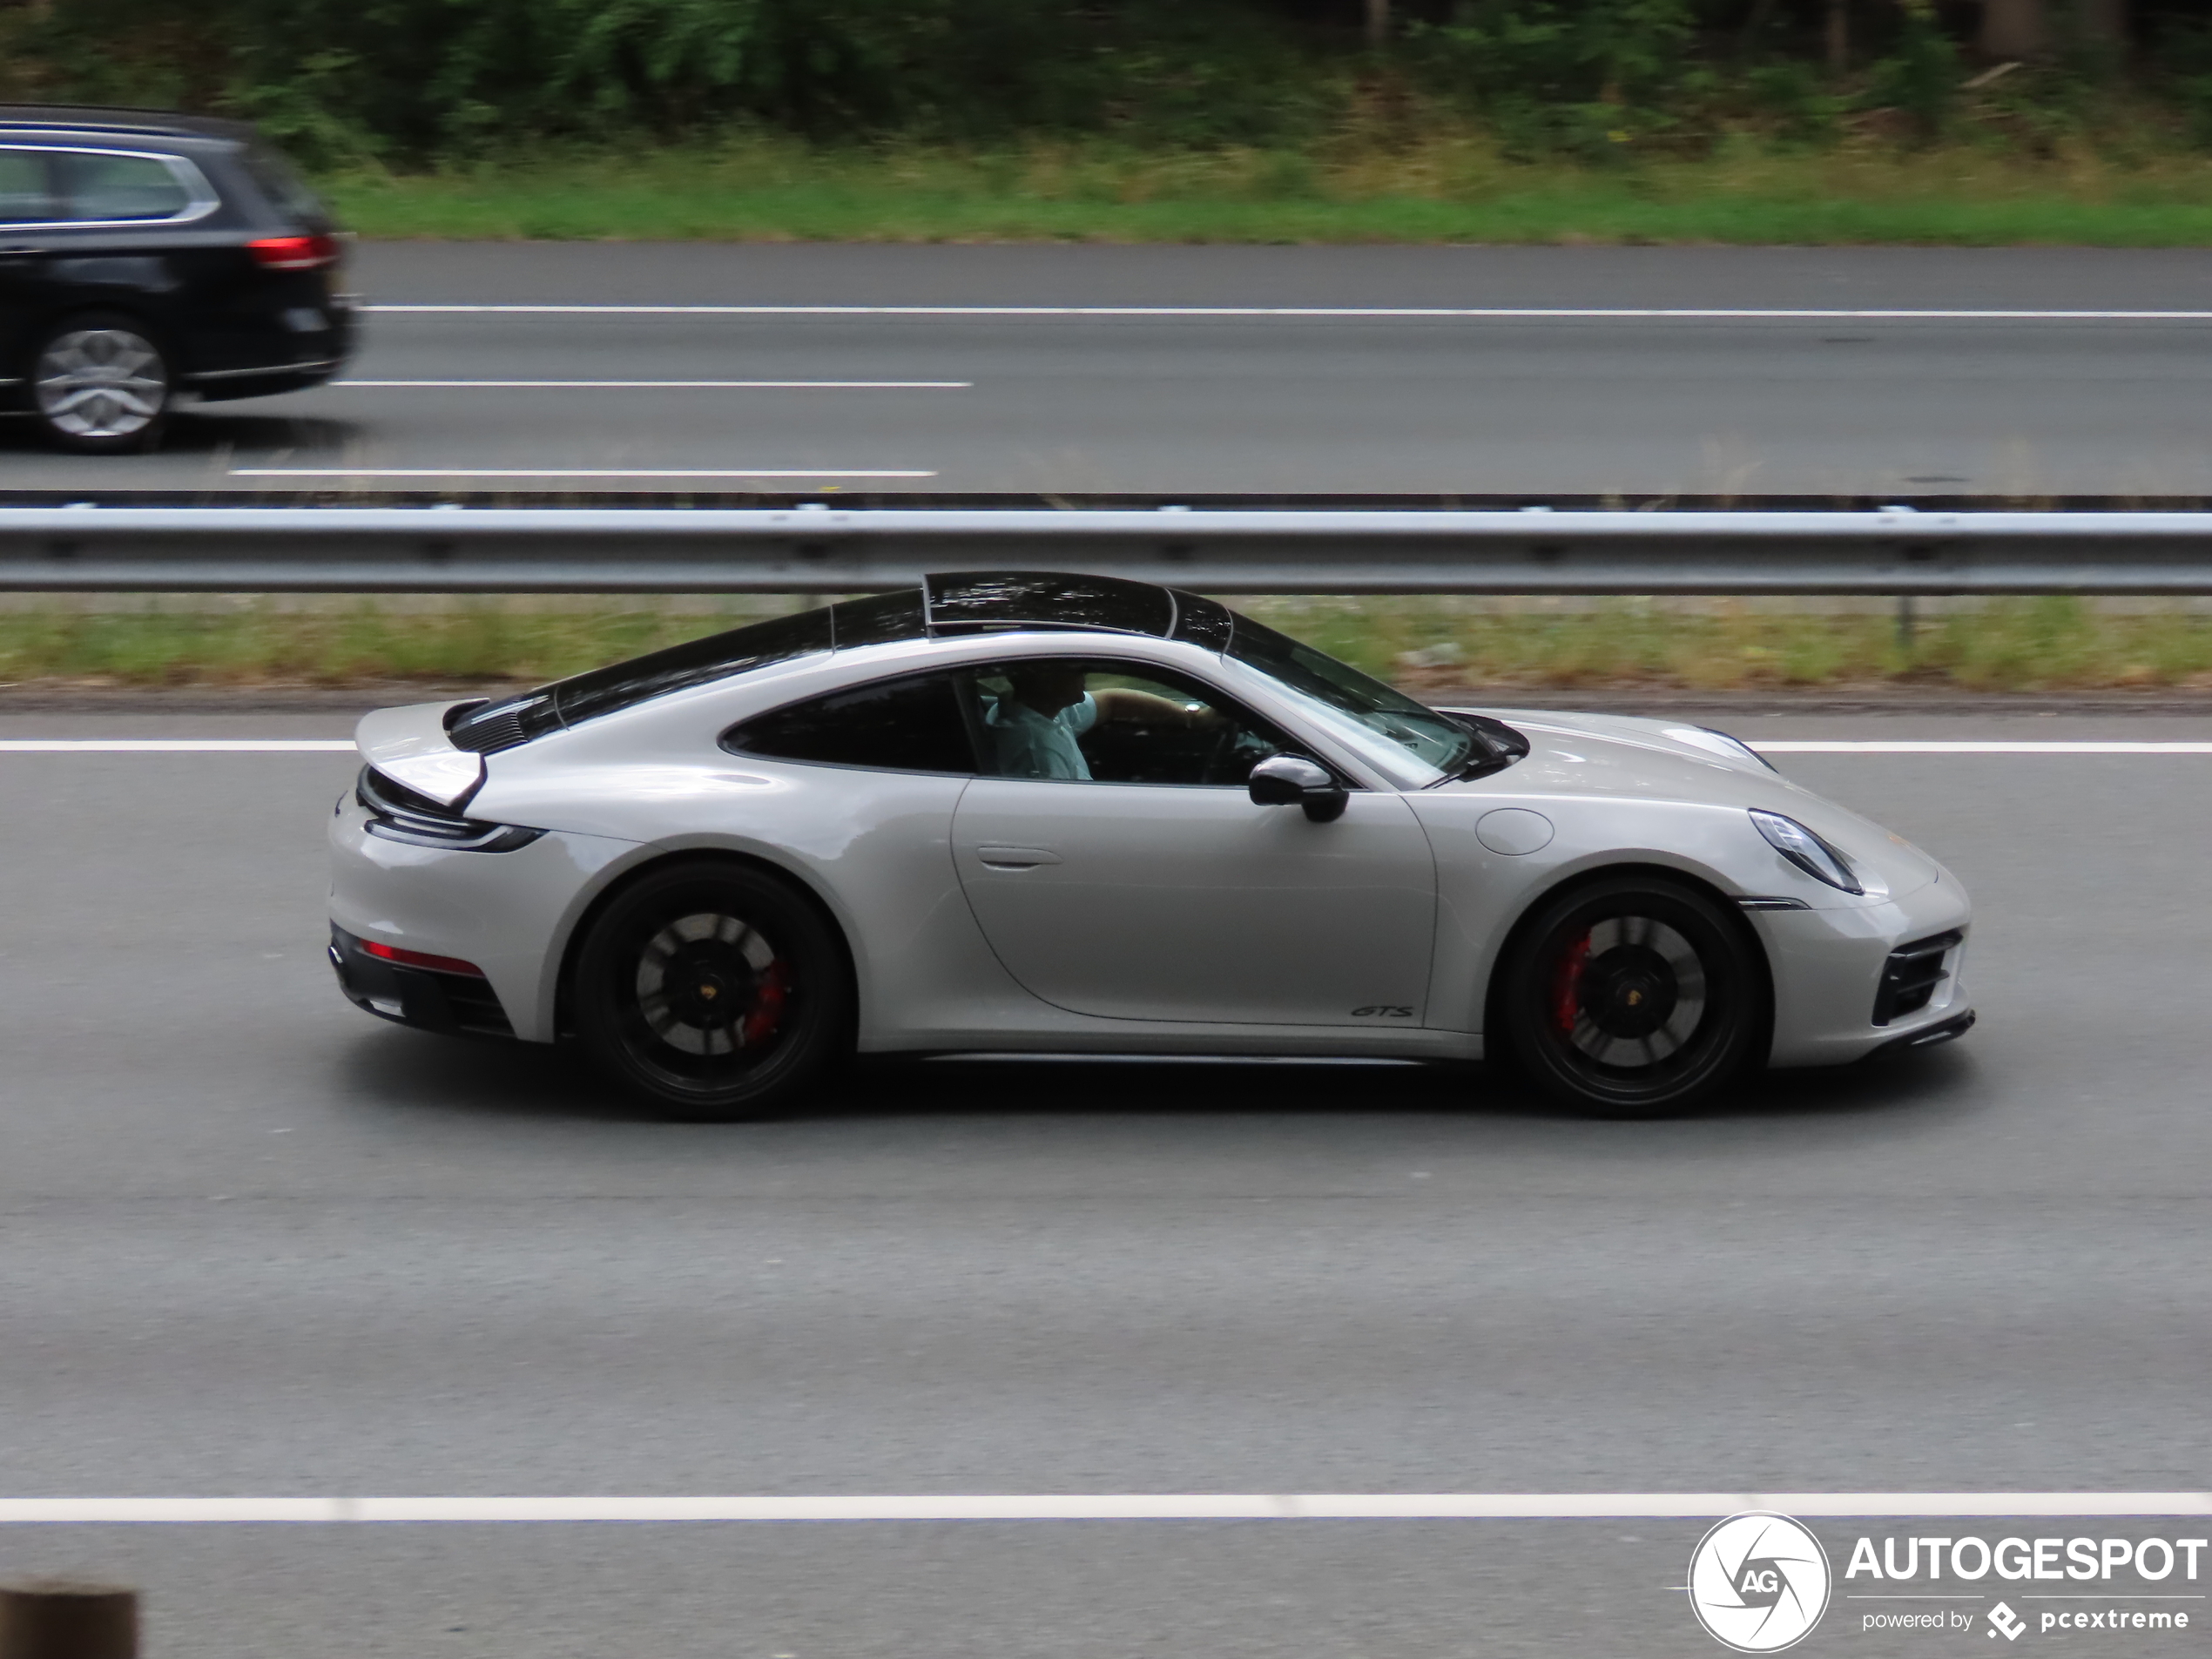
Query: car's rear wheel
x,y
1633,996
100,385
713,990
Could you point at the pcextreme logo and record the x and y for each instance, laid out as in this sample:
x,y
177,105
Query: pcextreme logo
x,y
1759,1582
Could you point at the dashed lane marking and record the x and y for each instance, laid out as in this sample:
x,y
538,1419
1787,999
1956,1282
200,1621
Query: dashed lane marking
x,y
669,386
575,472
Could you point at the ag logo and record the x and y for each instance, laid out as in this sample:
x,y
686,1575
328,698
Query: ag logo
x,y
1758,1583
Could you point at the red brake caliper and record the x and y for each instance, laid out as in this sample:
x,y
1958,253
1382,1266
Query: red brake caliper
x,y
767,1013
1567,987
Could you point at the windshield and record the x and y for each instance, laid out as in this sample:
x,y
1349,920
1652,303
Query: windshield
x,y
1359,710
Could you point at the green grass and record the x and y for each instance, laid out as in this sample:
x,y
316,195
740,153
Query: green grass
x,y
2011,646
1428,644
1445,188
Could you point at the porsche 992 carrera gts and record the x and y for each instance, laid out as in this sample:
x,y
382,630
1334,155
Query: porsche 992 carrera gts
x,y
1021,812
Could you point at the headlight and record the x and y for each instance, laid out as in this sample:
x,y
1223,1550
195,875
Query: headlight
x,y
1805,850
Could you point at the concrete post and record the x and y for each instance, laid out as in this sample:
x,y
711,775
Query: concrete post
x,y
61,1619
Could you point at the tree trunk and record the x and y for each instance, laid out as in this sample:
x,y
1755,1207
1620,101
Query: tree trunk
x,y
1838,34
2012,29
1377,23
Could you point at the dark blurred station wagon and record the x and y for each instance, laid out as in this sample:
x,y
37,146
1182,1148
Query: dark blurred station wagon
x,y
147,259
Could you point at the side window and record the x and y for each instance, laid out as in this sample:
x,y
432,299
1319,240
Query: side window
x,y
913,725
1113,723
111,187
25,196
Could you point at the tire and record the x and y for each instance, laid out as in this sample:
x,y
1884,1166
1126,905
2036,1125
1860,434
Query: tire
x,y
1633,996
100,384
713,990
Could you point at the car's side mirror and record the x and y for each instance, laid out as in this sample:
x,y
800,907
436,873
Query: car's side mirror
x,y
1292,781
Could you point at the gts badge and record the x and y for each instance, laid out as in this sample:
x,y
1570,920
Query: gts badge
x,y
1382,1011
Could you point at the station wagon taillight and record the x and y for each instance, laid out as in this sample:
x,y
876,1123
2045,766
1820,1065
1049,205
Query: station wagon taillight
x,y
294,253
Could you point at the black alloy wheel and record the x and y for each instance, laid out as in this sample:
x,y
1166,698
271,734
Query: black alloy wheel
x,y
101,385
1633,996
712,989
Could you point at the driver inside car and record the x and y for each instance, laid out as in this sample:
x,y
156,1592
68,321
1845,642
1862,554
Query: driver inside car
x,y
1033,728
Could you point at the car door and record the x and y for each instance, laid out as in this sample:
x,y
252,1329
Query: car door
x,y
27,209
1148,886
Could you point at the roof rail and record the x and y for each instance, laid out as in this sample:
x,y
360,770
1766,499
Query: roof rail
x,y
101,118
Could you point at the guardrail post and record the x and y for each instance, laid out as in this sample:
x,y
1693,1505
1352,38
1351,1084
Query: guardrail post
x,y
67,1619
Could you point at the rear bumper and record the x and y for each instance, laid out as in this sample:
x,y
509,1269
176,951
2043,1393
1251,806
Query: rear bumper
x,y
459,1004
216,386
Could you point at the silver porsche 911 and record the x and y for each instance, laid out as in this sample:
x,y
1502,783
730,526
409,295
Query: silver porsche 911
x,y
1042,813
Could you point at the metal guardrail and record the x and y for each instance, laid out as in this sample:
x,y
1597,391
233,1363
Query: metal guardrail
x,y
467,550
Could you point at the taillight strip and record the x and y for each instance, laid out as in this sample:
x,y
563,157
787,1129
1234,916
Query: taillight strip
x,y
294,253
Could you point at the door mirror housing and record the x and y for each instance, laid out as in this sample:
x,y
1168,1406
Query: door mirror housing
x,y
1292,781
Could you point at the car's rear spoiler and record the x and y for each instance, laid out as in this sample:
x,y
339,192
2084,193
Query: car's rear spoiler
x,y
409,746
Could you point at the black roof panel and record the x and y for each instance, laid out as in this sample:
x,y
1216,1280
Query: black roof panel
x,y
986,601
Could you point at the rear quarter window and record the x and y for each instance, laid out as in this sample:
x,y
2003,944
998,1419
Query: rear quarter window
x,y
100,188
913,725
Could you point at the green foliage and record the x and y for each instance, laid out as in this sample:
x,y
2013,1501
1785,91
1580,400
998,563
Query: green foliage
x,y
1536,646
2183,54
1572,75
1920,76
1790,94
408,80
413,85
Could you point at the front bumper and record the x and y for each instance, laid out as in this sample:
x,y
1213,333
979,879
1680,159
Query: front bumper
x,y
1836,974
459,1004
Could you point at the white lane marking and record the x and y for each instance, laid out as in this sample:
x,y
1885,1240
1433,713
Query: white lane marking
x,y
1354,313
1327,1506
575,472
675,386
1915,747
174,746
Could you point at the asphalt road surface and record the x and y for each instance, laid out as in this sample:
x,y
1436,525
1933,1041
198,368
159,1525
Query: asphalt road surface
x,y
252,1242
1272,369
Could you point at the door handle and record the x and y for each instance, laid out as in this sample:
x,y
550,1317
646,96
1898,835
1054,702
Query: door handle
x,y
1016,857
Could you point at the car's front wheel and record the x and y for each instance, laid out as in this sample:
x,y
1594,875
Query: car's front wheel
x,y
1633,996
713,990
100,385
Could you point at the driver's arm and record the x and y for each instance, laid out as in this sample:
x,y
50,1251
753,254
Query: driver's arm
x,y
1119,703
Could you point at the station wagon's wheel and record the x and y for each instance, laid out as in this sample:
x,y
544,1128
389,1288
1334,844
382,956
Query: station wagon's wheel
x,y
712,989
1633,996
100,385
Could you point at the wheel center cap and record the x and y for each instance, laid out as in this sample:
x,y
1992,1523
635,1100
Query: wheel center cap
x,y
1630,992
